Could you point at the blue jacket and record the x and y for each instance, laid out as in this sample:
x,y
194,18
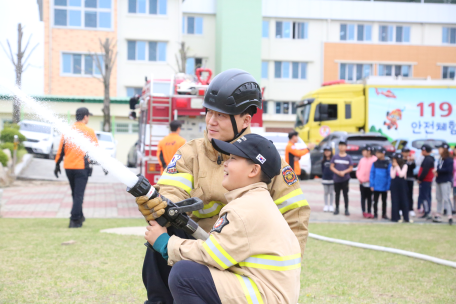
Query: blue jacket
x,y
380,177
327,174
444,170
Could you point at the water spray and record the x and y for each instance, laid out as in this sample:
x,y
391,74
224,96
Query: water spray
x,y
175,213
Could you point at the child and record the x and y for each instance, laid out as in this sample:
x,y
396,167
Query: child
x,y
410,177
399,200
444,175
327,178
425,177
363,174
341,165
380,180
251,256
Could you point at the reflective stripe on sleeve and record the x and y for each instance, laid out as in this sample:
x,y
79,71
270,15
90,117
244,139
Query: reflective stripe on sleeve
x,y
272,262
209,210
218,253
292,200
252,294
179,180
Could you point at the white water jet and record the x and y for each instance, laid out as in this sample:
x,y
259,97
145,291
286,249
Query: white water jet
x,y
41,111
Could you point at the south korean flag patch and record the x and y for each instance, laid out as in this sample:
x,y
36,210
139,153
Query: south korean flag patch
x,y
261,158
221,222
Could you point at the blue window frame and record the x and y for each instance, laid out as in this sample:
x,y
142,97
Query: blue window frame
x,y
264,69
90,14
356,32
192,25
137,50
265,29
283,29
286,70
449,35
81,64
152,7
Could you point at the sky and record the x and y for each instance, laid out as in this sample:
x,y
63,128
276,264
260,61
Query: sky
x,y
25,12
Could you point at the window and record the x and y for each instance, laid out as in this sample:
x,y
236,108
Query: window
x,y
283,29
394,70
285,69
152,7
324,112
83,14
354,72
150,51
265,29
358,32
264,69
389,33
348,111
133,91
120,127
192,25
285,107
265,107
192,64
448,72
299,30
449,35
81,64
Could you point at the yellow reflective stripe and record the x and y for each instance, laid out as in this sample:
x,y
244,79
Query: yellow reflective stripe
x,y
251,292
292,200
180,180
218,253
209,210
272,262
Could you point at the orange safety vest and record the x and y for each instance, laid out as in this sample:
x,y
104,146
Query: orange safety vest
x,y
167,147
290,153
75,157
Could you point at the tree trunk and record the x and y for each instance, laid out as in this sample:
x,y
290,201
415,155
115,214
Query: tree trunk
x,y
106,109
16,102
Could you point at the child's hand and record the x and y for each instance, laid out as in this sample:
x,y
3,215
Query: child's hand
x,y
153,232
372,188
341,173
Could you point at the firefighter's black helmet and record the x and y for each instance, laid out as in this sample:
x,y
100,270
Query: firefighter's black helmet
x,y
232,92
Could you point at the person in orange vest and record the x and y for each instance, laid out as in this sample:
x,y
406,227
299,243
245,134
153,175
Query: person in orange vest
x,y
76,166
293,155
169,145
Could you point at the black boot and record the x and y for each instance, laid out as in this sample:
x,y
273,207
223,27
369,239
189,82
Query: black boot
x,y
75,224
336,212
346,212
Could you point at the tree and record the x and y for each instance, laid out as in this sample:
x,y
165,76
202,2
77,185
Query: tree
x,y
181,60
20,67
104,64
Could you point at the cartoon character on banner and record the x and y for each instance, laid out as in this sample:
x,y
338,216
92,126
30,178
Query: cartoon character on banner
x,y
325,131
392,118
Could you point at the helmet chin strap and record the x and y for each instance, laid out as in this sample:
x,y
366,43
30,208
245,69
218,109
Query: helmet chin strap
x,y
235,128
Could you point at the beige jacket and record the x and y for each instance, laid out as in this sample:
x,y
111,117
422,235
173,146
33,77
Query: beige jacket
x,y
195,172
253,242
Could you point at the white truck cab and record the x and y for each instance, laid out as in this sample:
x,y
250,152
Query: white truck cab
x,y
41,138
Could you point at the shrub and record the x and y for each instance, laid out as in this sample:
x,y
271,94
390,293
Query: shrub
x,y
7,145
3,158
14,126
7,135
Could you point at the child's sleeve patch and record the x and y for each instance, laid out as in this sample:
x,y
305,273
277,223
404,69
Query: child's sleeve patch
x,y
221,222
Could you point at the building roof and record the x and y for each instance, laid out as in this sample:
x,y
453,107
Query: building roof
x,y
86,99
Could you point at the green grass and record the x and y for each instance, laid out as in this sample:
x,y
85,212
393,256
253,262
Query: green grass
x,y
106,268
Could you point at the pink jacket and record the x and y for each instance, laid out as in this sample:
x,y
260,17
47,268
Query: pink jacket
x,y
397,171
364,168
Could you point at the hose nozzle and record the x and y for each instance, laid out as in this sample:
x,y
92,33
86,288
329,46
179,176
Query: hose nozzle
x,y
142,187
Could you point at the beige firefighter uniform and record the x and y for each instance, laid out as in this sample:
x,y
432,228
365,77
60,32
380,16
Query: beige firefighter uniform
x,y
197,171
254,243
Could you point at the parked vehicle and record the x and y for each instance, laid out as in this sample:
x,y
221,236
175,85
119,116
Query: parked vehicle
x,y
415,149
395,108
280,141
41,138
355,142
107,142
132,157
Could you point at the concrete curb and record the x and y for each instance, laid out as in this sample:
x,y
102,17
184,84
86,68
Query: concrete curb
x,y
26,160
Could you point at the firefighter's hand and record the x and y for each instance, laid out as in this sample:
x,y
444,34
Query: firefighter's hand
x,y
154,231
310,146
57,170
105,171
151,209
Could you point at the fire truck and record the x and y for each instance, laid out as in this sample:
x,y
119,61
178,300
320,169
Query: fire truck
x,y
165,100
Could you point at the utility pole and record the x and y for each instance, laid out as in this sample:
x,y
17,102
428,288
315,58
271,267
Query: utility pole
x,y
20,66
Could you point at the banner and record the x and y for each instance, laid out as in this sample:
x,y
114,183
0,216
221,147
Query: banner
x,y
413,113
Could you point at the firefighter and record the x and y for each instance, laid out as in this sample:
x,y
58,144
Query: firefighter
x,y
250,229
231,100
169,145
133,102
76,166
293,155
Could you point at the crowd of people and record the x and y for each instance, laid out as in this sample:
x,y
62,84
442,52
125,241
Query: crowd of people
x,y
378,174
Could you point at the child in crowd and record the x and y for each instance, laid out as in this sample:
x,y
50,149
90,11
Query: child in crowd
x,y
327,178
399,200
363,175
380,180
410,161
251,255
443,180
341,165
425,177
454,180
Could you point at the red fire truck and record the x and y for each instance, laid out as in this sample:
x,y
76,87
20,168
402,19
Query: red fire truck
x,y
164,100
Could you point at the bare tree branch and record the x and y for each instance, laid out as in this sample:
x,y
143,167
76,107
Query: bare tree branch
x,y
11,54
26,46
29,54
24,69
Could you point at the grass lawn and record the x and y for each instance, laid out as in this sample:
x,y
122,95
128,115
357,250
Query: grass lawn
x,y
106,268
